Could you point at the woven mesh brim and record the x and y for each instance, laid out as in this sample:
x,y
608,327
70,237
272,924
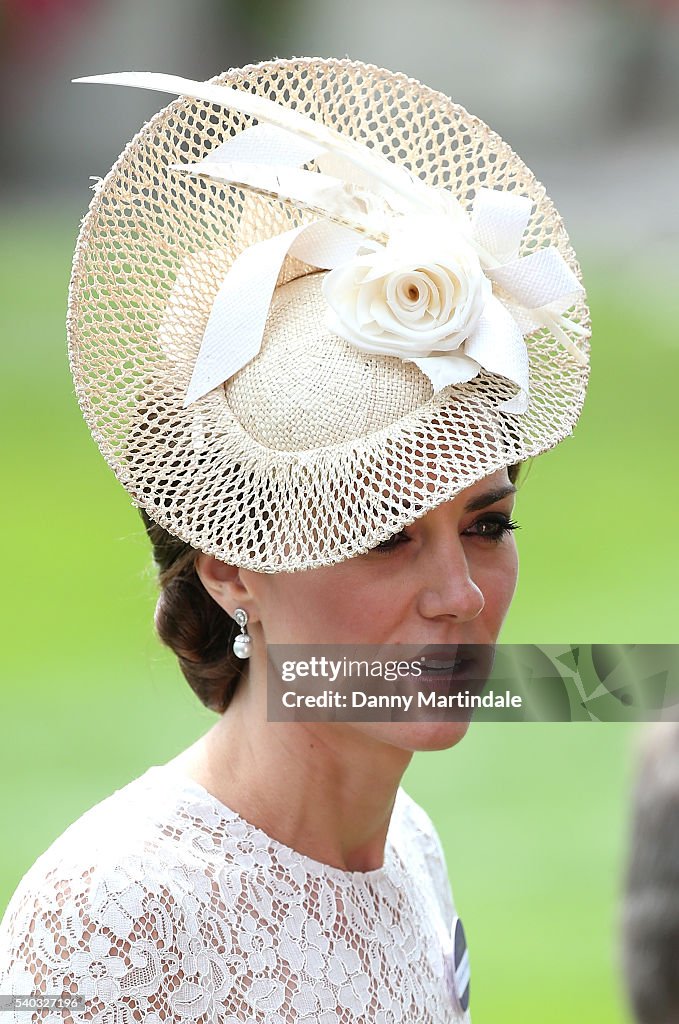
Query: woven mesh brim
x,y
198,472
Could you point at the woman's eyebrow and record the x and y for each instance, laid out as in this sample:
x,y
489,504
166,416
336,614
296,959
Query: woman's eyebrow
x,y
489,498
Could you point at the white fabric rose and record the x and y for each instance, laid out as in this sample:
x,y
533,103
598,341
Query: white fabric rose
x,y
421,293
425,297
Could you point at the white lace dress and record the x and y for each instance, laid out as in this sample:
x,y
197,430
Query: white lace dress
x,y
160,904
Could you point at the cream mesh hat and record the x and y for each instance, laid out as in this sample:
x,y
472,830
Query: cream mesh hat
x,y
310,301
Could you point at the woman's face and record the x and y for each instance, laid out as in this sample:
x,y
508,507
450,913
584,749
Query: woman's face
x,y
447,579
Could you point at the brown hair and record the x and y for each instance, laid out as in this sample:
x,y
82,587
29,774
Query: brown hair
x,y
193,625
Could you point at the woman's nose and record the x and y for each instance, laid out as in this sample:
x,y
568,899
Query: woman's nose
x,y
447,587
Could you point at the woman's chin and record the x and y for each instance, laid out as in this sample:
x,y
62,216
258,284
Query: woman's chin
x,y
438,735
430,735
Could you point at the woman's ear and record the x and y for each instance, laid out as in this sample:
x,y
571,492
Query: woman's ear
x,y
222,582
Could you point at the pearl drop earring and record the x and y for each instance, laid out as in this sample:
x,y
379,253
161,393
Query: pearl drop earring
x,y
242,645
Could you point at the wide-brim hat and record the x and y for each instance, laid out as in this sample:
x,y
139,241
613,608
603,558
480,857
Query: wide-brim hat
x,y
260,365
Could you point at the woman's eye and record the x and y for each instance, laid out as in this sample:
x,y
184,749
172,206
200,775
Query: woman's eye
x,y
392,542
491,528
494,527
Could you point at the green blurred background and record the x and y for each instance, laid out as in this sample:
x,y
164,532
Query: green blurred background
x,y
533,817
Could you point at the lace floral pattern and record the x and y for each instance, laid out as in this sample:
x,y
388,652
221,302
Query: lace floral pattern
x,y
160,904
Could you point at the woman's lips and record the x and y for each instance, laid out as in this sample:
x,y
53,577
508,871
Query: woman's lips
x,y
444,658
456,663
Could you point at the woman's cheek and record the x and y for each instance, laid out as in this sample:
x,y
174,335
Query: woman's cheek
x,y
501,584
493,568
322,610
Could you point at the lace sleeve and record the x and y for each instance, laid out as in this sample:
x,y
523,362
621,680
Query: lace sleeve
x,y
430,851
436,859
119,939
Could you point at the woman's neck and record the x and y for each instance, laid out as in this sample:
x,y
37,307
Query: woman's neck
x,y
326,790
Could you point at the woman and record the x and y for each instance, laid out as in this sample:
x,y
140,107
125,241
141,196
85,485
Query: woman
x,y
316,368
